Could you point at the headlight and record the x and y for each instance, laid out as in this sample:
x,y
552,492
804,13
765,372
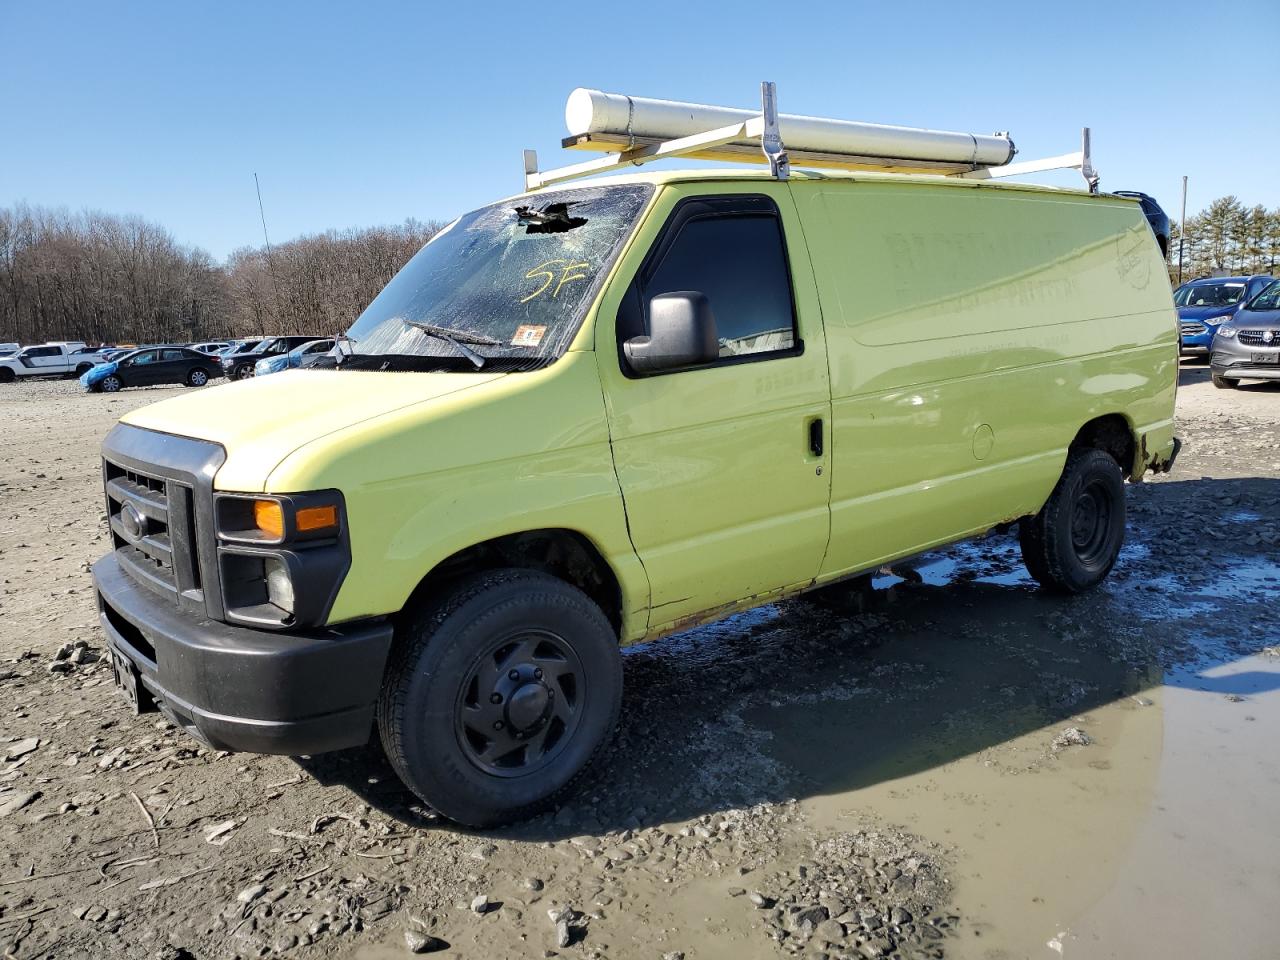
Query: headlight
x,y
1225,318
279,586
1227,330
281,557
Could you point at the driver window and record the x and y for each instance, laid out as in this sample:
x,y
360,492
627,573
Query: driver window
x,y
143,358
739,262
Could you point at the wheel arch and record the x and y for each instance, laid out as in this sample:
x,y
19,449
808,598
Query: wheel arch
x,y
1113,434
565,554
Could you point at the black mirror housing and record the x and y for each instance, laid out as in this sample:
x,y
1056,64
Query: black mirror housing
x,y
682,333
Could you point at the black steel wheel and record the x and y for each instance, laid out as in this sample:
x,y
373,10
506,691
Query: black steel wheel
x,y
1073,542
520,704
499,694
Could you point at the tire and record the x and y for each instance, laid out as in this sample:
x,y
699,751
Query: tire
x,y
7,375
82,370
197,377
110,384
1072,543
1224,383
467,715
244,371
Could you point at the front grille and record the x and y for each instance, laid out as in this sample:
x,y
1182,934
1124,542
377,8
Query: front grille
x,y
1190,328
152,528
1259,338
159,498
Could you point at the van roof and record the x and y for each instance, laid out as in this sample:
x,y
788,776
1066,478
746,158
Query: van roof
x,y
660,177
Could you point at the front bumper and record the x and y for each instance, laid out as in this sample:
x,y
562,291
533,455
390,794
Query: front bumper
x,y
1235,361
236,688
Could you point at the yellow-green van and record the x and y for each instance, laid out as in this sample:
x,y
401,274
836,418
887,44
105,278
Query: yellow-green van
x,y
592,415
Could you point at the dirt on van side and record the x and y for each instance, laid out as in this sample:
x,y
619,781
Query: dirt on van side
x,y
960,767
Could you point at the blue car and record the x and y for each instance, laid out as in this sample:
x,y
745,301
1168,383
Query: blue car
x,y
1205,304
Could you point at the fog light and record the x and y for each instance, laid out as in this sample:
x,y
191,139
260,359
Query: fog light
x,y
279,586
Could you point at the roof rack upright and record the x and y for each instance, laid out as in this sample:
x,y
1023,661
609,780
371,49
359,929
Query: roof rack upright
x,y
631,131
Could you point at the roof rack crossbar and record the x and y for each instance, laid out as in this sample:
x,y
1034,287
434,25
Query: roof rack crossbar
x,y
1081,160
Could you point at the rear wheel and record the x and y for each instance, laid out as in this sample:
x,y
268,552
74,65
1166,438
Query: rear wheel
x,y
1072,543
110,384
197,377
499,695
1224,383
83,369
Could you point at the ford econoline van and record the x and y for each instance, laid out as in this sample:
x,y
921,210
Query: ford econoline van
x,y
593,415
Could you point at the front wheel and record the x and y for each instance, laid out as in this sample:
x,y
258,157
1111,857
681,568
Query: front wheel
x,y
7,375
1072,543
244,372
499,695
110,384
1224,383
197,378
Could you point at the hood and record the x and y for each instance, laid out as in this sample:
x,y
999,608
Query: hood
x,y
1268,319
260,422
1207,313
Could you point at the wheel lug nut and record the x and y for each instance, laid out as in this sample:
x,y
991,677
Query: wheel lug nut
x,y
537,674
498,725
495,698
514,675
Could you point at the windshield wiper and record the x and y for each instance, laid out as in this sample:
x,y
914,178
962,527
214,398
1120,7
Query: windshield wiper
x,y
458,338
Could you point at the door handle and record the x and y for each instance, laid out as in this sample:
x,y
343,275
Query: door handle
x,y
815,437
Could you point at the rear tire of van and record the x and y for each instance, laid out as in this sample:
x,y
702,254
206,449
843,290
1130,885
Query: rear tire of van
x,y
1073,542
499,695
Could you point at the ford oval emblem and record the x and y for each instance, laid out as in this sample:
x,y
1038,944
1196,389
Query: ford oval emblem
x,y
134,523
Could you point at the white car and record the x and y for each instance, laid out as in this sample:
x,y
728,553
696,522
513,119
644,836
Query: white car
x,y
212,348
57,358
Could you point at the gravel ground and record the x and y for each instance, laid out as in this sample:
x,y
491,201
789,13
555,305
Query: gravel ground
x,y
700,834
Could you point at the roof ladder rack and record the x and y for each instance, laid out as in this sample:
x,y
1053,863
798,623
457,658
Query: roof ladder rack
x,y
632,131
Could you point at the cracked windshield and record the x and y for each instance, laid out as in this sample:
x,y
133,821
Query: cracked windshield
x,y
501,287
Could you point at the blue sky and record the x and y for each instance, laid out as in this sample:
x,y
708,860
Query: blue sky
x,y
367,113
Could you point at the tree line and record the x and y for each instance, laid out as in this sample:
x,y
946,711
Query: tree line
x,y
1227,236
103,278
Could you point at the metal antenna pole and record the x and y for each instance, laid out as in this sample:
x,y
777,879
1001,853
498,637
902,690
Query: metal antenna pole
x,y
1182,230
271,267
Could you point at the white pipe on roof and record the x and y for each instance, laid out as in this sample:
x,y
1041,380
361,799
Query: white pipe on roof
x,y
618,115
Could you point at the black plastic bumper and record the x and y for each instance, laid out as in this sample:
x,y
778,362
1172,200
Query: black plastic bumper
x,y
237,688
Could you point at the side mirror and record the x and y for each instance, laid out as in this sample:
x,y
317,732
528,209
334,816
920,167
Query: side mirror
x,y
682,333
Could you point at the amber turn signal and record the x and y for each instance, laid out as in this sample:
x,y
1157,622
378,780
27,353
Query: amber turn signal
x,y
311,519
268,516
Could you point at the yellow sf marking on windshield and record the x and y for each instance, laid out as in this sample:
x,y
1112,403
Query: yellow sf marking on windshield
x,y
566,275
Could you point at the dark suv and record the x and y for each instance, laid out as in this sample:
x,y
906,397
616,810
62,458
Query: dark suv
x,y
240,365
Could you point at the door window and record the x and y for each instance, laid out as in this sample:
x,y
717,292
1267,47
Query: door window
x,y
144,358
36,352
171,355
731,250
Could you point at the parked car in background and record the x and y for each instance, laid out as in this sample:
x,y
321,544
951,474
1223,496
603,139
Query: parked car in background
x,y
303,356
57,358
154,365
1205,304
240,365
1247,347
1157,219
211,348
9,349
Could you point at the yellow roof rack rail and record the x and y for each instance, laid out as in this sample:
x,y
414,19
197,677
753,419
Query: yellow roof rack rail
x,y
631,131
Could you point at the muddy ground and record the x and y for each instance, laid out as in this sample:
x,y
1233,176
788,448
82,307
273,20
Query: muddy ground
x,y
966,768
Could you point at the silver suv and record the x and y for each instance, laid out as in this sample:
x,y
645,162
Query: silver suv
x,y
1247,347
